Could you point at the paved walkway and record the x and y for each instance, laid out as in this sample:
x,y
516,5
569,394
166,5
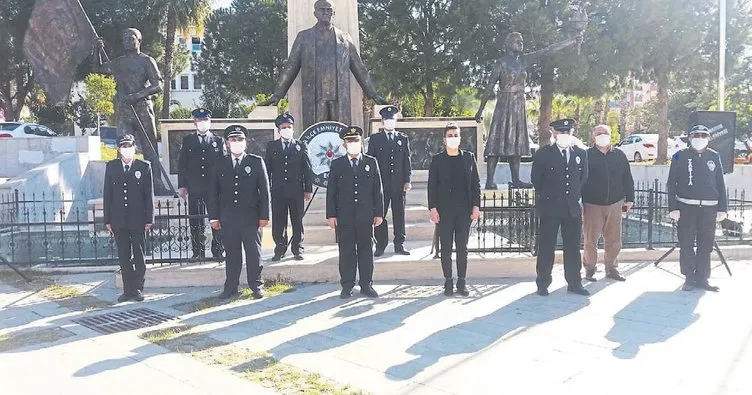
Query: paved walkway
x,y
639,337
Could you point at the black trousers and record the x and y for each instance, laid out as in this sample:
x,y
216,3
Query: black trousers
x,y
281,206
571,235
355,254
454,228
696,227
197,206
130,248
237,239
397,201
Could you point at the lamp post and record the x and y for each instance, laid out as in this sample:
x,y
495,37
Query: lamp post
x,y
722,58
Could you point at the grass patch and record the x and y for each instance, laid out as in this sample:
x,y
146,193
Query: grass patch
x,y
45,285
272,287
12,341
57,292
258,367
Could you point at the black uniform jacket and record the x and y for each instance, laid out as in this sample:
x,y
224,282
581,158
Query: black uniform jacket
x,y
696,176
128,197
289,171
393,158
354,196
196,163
239,197
558,186
440,182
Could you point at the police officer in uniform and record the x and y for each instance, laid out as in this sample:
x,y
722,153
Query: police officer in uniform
x,y
354,205
697,200
558,175
239,205
291,178
198,155
129,213
392,151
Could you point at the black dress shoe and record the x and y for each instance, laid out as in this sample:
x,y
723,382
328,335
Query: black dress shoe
x,y
578,290
448,287
257,293
378,252
369,291
590,275
491,186
138,295
299,257
615,276
227,294
542,291
704,285
345,294
462,287
277,258
126,296
401,251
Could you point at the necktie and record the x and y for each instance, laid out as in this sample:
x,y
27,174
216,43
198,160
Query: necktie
x,y
127,168
564,155
354,162
391,137
287,145
237,162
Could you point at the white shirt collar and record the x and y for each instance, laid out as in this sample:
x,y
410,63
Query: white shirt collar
x,y
241,157
122,162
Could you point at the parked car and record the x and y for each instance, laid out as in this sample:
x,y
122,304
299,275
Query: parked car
x,y
639,147
742,152
24,130
676,144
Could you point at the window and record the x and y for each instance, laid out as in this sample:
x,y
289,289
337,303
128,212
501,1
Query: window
x,y
184,82
196,44
196,82
173,85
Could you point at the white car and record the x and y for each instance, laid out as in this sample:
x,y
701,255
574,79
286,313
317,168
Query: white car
x,y
24,130
675,144
639,147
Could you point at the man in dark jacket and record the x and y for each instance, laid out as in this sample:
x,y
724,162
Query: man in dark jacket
x,y
354,205
454,201
697,200
239,205
198,155
291,179
129,213
608,194
392,150
559,173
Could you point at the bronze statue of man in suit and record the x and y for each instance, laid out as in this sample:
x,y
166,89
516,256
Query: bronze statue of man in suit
x,y
324,55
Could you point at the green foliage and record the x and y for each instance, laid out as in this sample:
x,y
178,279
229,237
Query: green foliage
x,y
99,91
57,118
16,81
181,113
244,50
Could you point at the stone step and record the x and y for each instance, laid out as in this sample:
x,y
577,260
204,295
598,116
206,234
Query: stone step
x,y
323,235
413,214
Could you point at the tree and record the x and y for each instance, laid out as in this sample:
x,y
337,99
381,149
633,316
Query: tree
x,y
432,39
16,79
179,16
98,93
243,52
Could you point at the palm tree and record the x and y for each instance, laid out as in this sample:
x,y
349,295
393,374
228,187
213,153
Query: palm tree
x,y
178,16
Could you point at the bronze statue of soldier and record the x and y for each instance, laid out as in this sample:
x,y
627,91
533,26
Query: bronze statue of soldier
x,y
137,79
325,56
508,136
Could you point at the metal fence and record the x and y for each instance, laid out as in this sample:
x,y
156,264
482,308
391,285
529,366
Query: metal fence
x,y
60,230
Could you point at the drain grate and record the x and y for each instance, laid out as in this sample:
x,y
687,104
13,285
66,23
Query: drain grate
x,y
122,321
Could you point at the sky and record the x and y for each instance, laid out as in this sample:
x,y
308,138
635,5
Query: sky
x,y
221,3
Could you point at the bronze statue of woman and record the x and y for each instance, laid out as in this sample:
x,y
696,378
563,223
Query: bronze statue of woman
x,y
508,135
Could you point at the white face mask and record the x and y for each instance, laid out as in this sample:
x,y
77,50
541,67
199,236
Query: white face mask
x,y
699,143
453,142
128,153
237,147
286,133
203,126
390,124
603,140
354,147
563,140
